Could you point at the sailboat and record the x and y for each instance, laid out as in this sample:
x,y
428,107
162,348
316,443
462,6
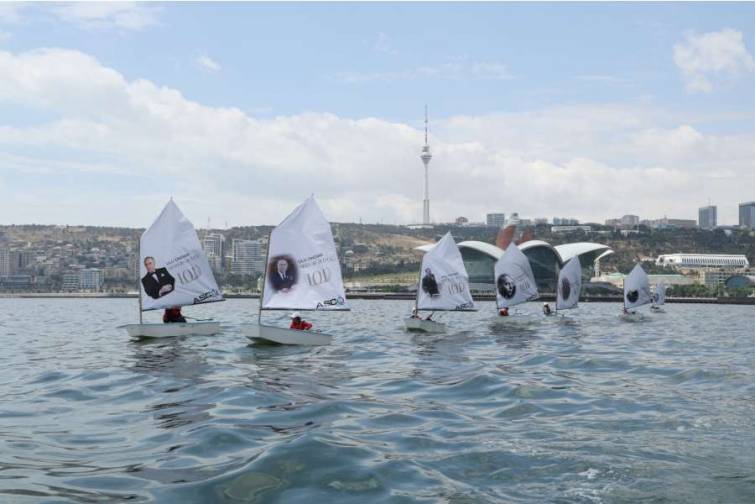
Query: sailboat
x,y
659,297
302,273
569,285
443,286
636,292
514,280
173,271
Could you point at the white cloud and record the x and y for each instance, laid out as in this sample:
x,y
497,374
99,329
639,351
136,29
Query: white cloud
x,y
383,44
4,36
207,63
87,15
104,15
10,12
711,57
145,141
459,69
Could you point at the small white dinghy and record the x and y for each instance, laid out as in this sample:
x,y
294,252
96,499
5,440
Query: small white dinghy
x,y
265,334
636,293
423,325
514,281
443,285
659,299
173,272
302,273
569,285
170,330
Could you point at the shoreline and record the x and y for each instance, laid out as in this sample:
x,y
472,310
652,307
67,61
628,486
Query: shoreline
x,y
373,296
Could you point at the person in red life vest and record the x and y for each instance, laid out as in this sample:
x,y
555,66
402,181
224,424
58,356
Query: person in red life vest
x,y
504,312
298,323
173,314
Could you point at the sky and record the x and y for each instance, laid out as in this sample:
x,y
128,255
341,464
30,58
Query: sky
x,y
239,111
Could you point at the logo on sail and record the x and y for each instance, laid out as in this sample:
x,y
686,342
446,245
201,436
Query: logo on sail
x,y
337,301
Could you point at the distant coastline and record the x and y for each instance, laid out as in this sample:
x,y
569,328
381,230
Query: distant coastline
x,y
374,296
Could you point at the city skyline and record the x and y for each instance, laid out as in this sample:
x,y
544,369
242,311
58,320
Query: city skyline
x,y
109,109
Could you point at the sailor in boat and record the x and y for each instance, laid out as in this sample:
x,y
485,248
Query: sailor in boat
x,y
547,309
299,324
415,315
173,314
504,312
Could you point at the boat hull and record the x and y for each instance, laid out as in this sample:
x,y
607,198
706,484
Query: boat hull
x,y
171,330
632,317
279,335
428,326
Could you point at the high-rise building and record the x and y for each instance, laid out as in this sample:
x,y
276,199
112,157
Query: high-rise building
x,y
666,223
707,216
426,157
5,262
71,281
247,257
747,215
90,279
565,221
214,245
496,220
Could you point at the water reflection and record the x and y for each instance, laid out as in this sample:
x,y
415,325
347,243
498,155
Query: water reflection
x,y
177,370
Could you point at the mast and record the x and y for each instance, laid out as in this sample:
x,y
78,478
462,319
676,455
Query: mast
x,y
264,278
139,295
419,286
138,280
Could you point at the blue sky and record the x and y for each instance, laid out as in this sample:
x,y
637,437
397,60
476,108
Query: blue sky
x,y
535,107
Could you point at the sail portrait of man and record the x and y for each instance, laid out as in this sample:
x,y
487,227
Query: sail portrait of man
x,y
157,282
506,286
429,284
283,274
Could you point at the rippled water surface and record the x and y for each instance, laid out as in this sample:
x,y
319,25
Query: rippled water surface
x,y
582,409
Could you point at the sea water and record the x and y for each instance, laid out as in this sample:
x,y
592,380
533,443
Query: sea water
x,y
580,408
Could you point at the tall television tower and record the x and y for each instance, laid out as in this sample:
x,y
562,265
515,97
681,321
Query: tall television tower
x,y
426,157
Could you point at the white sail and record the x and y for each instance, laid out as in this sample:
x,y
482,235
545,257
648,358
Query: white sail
x,y
636,288
659,298
173,268
569,285
514,280
444,283
303,272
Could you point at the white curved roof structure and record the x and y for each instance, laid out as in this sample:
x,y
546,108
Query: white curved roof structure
x,y
485,248
563,252
569,250
537,243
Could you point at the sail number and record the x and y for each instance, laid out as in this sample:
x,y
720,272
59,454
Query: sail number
x,y
188,275
319,277
456,288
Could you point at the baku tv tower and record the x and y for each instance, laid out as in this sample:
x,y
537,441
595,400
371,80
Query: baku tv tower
x,y
426,157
